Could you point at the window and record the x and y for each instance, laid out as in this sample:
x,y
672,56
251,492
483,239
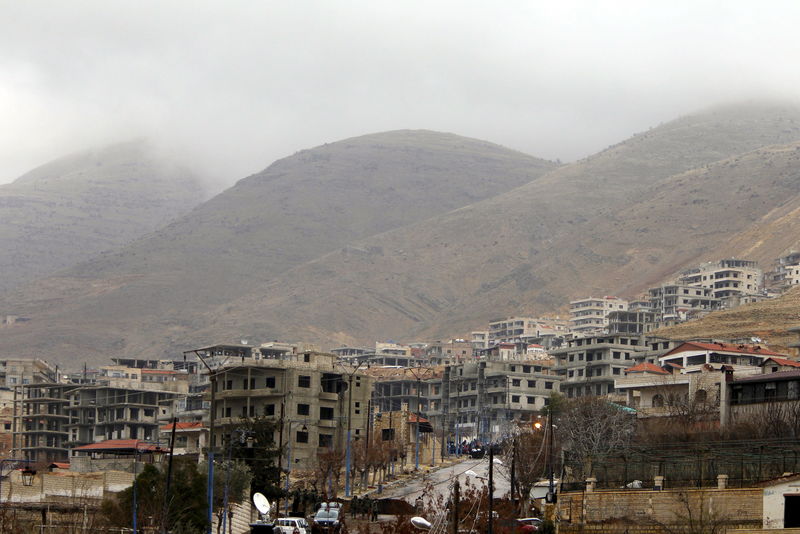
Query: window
x,y
304,381
270,382
252,383
531,400
227,412
357,408
307,357
303,409
229,384
269,409
302,436
531,383
326,440
387,434
548,385
516,382
526,368
572,357
325,412
514,398
616,370
571,374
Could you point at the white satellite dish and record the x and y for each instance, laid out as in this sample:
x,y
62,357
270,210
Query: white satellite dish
x,y
262,504
421,522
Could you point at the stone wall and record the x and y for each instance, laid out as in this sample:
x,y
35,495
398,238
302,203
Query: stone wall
x,y
64,487
610,511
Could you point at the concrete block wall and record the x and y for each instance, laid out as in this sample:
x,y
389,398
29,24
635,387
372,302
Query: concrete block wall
x,y
662,507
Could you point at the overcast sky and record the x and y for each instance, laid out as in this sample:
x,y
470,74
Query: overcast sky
x,y
236,85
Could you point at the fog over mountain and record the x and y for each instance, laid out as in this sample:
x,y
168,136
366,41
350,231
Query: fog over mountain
x,y
232,89
419,234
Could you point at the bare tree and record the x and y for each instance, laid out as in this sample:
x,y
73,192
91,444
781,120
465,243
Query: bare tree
x,y
591,430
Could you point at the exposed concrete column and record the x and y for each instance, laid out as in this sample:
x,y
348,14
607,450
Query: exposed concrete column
x,y
591,483
722,482
658,483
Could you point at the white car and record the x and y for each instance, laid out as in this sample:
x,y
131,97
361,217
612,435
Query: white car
x,y
291,525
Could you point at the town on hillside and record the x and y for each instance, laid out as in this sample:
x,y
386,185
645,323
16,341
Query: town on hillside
x,y
582,416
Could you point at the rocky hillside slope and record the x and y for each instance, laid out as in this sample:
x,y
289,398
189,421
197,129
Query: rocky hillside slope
x,y
75,207
141,298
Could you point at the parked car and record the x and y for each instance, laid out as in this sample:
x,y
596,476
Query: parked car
x,y
329,519
528,524
290,525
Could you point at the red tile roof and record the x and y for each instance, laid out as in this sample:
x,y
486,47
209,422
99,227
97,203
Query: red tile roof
x,y
60,465
412,418
189,425
783,361
119,445
646,367
723,347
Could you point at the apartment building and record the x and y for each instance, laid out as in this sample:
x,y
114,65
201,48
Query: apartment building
x,y
516,329
480,399
785,272
589,365
675,301
18,371
631,322
449,352
50,419
308,393
590,315
40,422
725,278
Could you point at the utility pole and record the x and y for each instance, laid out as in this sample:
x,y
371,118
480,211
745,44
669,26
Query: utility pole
x,y
491,489
347,491
416,455
280,456
165,524
212,377
456,499
552,489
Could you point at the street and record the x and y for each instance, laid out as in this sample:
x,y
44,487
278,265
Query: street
x,y
441,480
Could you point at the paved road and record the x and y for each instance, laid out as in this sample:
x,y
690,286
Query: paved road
x,y
442,480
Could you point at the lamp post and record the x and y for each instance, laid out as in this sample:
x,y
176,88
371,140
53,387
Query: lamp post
x,y
11,461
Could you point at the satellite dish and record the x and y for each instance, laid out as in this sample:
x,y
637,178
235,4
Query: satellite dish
x,y
421,522
471,473
262,504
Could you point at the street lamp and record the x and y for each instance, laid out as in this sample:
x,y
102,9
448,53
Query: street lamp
x,y
27,476
11,461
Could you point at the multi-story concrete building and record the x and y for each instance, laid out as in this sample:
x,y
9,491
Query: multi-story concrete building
x,y
631,322
479,400
449,352
524,329
589,365
590,315
19,371
725,278
308,394
675,301
40,422
49,419
785,272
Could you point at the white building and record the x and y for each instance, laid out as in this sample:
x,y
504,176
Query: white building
x,y
590,315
